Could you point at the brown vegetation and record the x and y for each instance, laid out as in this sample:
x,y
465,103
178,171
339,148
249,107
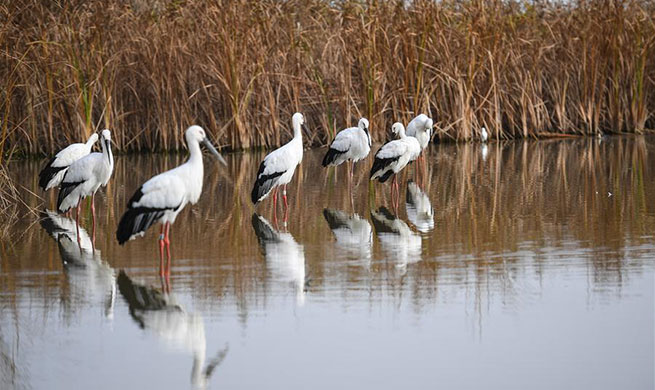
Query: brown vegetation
x,y
150,68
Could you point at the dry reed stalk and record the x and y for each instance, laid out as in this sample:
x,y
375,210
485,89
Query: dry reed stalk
x,y
148,69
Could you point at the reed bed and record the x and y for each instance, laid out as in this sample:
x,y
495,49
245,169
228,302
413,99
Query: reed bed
x,y
149,68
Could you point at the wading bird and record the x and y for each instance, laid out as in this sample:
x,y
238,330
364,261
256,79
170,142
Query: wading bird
x,y
53,172
161,198
84,177
278,167
421,129
483,134
393,156
351,144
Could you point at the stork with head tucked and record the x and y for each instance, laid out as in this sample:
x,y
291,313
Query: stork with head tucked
x,y
278,167
393,156
160,199
421,129
53,172
84,177
351,144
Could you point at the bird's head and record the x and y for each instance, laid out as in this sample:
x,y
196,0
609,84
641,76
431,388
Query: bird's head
x,y
363,124
298,121
398,129
428,123
92,139
106,135
197,134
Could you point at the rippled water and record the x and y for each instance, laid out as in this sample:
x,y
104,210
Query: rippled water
x,y
513,265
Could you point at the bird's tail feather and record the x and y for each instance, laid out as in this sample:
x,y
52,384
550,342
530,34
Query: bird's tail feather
x,y
378,169
136,221
64,200
48,173
331,157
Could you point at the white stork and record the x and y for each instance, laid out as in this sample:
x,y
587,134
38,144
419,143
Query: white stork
x,y
351,144
278,167
160,199
53,172
393,156
421,129
483,134
84,177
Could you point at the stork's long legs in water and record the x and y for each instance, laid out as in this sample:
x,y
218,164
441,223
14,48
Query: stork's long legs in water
x,y
93,214
164,241
77,219
286,205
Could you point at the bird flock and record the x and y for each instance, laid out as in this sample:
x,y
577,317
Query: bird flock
x,y
78,173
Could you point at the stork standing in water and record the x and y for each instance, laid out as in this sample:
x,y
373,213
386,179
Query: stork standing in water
x,y
393,156
53,172
83,178
278,168
161,198
421,129
351,144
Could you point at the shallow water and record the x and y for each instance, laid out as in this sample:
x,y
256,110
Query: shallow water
x,y
515,265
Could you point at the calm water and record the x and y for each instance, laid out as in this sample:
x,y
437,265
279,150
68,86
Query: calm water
x,y
519,265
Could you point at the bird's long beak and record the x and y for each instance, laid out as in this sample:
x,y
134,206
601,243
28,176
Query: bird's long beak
x,y
305,129
214,151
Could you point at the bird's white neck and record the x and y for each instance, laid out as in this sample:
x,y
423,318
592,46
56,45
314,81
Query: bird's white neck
x,y
106,151
297,131
195,154
401,133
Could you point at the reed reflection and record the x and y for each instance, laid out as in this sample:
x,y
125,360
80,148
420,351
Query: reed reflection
x,y
158,312
419,208
88,275
354,234
285,258
400,244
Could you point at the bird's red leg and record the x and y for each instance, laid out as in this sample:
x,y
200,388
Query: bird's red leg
x,y
93,214
77,219
161,251
275,205
168,250
286,205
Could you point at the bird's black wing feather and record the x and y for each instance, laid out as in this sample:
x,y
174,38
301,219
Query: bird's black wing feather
x,y
138,219
47,173
264,183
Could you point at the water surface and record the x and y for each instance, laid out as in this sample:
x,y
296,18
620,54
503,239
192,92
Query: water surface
x,y
510,265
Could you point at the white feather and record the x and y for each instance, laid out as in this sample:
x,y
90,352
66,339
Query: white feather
x,y
91,172
421,129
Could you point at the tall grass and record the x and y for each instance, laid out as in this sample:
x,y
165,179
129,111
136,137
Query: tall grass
x,y
150,68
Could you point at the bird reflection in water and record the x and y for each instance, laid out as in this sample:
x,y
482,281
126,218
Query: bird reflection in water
x,y
156,311
83,265
419,209
285,258
353,233
398,241
484,150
